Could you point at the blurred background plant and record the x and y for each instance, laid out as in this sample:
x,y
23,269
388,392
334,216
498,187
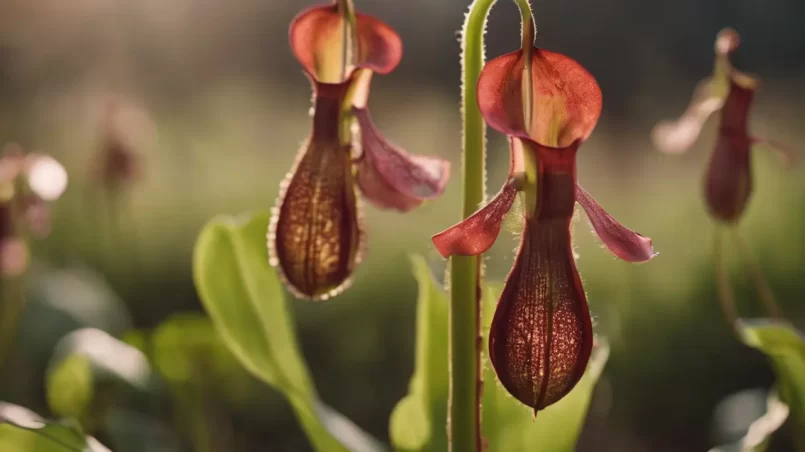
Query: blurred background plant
x,y
28,184
229,108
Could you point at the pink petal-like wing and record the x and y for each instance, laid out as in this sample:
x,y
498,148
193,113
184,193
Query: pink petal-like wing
x,y
390,177
677,136
477,233
622,241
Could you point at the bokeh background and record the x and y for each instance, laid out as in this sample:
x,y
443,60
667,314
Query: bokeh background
x,y
227,109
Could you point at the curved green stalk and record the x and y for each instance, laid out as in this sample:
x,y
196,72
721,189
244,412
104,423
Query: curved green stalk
x,y
466,343
527,33
348,39
726,297
761,285
349,53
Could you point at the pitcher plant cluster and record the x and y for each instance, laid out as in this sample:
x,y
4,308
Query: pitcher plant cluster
x,y
547,105
545,102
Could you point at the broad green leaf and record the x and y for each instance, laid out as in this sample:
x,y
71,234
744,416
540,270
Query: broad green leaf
x,y
244,299
418,421
510,425
22,430
88,357
756,436
785,347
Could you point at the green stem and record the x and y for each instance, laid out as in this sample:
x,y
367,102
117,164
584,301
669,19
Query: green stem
x,y
528,32
726,298
528,156
348,53
761,285
466,343
348,38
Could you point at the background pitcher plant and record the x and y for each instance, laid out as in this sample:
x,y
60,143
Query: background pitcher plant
x,y
728,179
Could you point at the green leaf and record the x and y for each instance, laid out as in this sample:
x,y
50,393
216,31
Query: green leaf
x,y
88,357
757,435
418,420
785,346
22,430
509,425
243,296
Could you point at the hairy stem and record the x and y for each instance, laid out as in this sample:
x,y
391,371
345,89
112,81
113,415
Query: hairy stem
x,y
466,342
